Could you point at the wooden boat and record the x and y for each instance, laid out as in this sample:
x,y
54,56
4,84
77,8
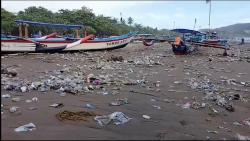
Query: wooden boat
x,y
197,38
16,44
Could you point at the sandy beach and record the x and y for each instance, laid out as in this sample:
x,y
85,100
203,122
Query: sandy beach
x,y
155,82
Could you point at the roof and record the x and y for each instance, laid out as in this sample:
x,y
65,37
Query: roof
x,y
184,31
50,24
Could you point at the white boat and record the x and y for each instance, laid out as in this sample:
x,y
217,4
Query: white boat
x,y
16,44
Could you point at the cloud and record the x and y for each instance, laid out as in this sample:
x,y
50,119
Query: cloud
x,y
245,20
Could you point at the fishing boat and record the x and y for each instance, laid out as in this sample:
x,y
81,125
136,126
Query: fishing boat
x,y
55,43
198,38
88,43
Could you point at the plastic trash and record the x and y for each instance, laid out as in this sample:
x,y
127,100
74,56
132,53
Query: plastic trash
x,y
241,137
57,105
62,94
35,99
6,96
153,100
247,121
146,116
13,109
157,107
16,99
186,106
97,82
23,89
105,93
117,118
90,106
28,101
119,102
214,132
237,123
26,128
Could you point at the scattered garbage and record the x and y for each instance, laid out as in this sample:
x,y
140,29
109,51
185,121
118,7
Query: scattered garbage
x,y
57,105
197,105
35,99
117,118
74,116
157,107
28,101
241,137
23,89
26,128
237,123
186,106
16,99
247,121
146,116
6,96
13,109
214,132
90,106
119,102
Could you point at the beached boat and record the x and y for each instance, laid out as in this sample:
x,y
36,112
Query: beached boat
x,y
18,44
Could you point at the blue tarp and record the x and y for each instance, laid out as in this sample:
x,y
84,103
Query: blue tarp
x,y
184,31
50,24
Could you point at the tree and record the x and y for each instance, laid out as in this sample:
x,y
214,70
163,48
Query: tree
x,y
100,25
7,21
130,21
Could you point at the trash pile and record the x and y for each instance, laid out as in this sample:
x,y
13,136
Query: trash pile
x,y
60,81
68,81
211,92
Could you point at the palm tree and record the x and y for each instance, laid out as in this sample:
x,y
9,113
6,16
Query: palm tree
x,y
130,21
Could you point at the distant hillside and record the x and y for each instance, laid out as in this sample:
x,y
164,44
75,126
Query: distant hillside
x,y
231,31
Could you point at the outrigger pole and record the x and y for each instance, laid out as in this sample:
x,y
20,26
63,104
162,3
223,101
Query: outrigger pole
x,y
209,1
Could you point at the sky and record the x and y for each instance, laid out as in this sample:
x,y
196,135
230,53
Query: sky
x,y
160,14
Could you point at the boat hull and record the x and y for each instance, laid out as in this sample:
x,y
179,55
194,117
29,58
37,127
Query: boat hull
x,y
8,46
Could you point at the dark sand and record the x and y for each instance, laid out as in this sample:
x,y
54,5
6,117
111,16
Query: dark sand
x,y
169,122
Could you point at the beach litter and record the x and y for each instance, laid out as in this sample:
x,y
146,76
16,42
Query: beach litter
x,y
119,102
117,118
26,128
241,137
74,116
13,109
16,99
146,116
6,96
90,106
214,132
247,121
157,107
186,106
57,105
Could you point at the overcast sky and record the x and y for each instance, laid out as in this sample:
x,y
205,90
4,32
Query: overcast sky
x,y
160,14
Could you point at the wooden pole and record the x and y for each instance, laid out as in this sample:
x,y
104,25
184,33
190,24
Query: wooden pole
x,y
85,32
26,30
20,30
209,14
77,33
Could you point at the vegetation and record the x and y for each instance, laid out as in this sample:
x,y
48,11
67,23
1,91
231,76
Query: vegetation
x,y
99,25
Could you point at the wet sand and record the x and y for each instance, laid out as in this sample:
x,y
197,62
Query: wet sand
x,y
169,122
